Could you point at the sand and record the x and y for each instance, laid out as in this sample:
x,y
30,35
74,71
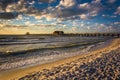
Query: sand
x,y
86,58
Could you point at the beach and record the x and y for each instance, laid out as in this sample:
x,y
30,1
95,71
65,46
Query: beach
x,y
59,39
98,63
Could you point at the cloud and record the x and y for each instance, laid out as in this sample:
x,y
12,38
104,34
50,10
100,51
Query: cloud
x,y
96,1
1,25
116,23
8,15
108,16
1,10
47,1
45,25
12,6
27,23
24,6
82,24
66,9
84,5
111,1
68,3
117,11
74,29
109,29
63,10
4,3
83,16
19,17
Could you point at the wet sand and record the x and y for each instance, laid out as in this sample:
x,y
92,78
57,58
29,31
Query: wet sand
x,y
82,66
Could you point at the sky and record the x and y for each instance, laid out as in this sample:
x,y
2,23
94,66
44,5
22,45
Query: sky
x,y
70,16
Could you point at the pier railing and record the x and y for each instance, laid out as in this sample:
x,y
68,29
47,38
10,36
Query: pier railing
x,y
93,34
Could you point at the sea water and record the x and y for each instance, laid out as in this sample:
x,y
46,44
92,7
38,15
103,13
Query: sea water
x,y
25,51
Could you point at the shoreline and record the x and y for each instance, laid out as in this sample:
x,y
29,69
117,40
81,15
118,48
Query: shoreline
x,y
55,56
22,72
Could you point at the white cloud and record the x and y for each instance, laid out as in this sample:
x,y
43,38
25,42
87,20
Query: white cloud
x,y
20,6
37,16
96,1
102,25
82,24
68,3
31,3
109,28
103,15
20,17
88,27
74,29
92,9
83,16
27,23
11,7
84,5
118,11
64,26
44,25
117,23
1,25
94,12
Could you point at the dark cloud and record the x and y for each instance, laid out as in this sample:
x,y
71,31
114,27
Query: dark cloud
x,y
69,12
66,8
8,15
47,1
70,8
4,3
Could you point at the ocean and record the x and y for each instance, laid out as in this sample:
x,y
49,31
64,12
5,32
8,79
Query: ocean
x,y
29,50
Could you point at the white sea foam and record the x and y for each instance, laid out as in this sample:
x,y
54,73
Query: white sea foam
x,y
34,60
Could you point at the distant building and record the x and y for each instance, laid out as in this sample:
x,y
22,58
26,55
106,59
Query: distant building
x,y
27,33
58,33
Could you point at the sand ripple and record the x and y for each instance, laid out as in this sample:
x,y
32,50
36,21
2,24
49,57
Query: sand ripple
x,y
93,67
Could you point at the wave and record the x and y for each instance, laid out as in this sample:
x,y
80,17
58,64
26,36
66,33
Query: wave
x,y
37,59
25,55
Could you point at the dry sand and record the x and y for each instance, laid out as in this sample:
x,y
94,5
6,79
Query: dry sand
x,y
83,58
